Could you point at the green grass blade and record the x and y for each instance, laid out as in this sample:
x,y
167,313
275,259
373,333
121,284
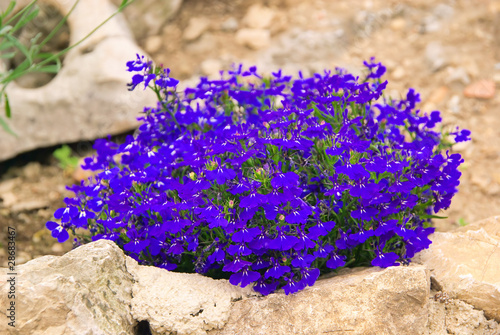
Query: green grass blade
x,y
7,11
7,106
6,127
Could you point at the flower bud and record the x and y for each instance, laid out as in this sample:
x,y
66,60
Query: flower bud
x,y
192,176
281,217
231,203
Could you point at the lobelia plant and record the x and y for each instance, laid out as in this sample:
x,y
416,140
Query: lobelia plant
x,y
268,181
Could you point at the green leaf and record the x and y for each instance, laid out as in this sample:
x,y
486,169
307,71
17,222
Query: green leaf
x,y
65,157
8,55
20,47
6,127
7,106
26,17
7,11
5,29
50,68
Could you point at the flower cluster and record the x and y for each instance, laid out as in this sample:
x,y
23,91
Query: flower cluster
x,y
269,181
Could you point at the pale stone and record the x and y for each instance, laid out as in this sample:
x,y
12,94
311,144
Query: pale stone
x,y
153,44
481,89
181,303
458,317
146,17
465,262
86,291
88,98
258,17
253,38
398,73
398,24
364,301
438,95
211,67
196,27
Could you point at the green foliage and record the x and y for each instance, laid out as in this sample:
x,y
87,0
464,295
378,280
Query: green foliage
x,y
66,158
35,60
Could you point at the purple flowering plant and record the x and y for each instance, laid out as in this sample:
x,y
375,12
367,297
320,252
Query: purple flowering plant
x,y
270,181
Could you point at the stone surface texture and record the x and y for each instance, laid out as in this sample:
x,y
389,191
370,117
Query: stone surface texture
x,y
88,98
147,17
182,303
368,301
96,289
466,263
87,291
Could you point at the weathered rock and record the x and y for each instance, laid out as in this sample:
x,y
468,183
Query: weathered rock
x,y
196,27
457,317
146,17
181,303
435,56
258,17
86,291
253,38
466,264
369,301
481,89
96,289
89,97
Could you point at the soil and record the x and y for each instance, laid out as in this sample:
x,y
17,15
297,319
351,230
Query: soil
x,y
437,47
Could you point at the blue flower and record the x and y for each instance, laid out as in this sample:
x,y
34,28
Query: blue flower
x,y
385,260
244,277
57,231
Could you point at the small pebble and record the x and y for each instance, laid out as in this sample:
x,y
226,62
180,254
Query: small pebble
x,y
253,38
196,27
258,17
153,44
481,89
57,248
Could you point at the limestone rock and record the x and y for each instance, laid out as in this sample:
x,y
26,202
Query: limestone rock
x,y
196,27
254,38
181,303
88,98
146,17
258,17
466,264
481,89
367,301
86,291
458,317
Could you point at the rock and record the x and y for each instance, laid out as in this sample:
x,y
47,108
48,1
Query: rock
x,y
398,73
437,96
253,38
231,24
454,104
465,263
153,44
457,75
366,301
86,291
196,27
458,317
435,56
398,23
88,98
146,17
211,67
181,303
29,205
481,89
258,17
96,289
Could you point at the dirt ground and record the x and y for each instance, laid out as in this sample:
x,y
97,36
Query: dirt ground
x,y
449,51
